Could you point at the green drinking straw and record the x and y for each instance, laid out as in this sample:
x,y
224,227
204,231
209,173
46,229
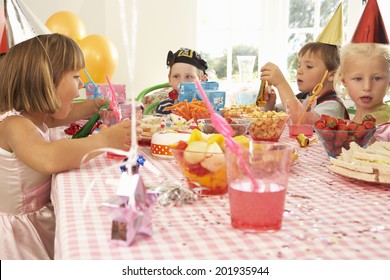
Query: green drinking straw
x,y
87,127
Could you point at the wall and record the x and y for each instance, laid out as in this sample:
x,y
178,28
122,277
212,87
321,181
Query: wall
x,y
161,26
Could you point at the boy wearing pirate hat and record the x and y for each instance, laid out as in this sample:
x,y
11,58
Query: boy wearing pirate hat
x,y
185,65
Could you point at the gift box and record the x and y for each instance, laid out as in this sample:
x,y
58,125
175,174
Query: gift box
x,y
188,91
130,208
104,91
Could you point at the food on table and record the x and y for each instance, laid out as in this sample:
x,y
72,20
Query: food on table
x,y
238,111
336,133
161,141
202,161
190,110
239,126
150,125
370,164
170,122
267,126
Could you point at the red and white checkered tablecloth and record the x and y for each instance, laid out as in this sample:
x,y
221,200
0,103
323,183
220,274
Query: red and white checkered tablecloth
x,y
326,217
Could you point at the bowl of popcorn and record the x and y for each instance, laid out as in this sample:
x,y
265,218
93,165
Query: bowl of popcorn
x,y
239,126
267,126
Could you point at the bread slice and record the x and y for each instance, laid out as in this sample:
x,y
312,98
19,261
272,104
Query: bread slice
x,y
384,178
370,164
369,177
352,165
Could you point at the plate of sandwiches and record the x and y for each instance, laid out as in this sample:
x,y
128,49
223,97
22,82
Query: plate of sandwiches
x,y
149,126
371,164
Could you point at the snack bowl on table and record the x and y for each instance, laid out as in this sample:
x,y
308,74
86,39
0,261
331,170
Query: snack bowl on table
x,y
203,165
334,140
268,126
239,126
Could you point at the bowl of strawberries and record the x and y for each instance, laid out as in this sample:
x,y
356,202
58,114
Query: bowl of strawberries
x,y
336,134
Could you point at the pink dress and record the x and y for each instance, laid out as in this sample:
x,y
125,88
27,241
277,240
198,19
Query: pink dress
x,y
27,220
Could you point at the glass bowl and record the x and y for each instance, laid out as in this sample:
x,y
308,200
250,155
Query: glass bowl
x,y
267,128
204,170
334,140
239,126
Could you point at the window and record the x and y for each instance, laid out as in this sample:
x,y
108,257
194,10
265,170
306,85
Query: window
x,y
271,30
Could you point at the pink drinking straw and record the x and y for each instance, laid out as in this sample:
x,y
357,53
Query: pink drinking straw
x,y
227,131
113,104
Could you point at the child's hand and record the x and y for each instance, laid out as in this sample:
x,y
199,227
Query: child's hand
x,y
99,102
117,136
138,128
271,73
270,100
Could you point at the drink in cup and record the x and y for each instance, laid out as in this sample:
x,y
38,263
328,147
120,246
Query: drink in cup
x,y
258,208
295,126
108,118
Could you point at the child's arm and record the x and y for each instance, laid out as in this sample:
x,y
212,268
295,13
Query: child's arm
x,y
271,73
79,111
27,143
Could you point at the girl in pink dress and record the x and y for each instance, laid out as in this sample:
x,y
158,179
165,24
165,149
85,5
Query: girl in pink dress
x,y
39,79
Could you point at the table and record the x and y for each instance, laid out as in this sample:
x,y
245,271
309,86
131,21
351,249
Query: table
x,y
326,217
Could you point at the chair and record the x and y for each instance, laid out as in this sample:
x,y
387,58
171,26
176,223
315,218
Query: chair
x,y
148,90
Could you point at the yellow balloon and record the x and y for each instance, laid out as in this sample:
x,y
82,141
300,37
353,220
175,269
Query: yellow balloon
x,y
101,58
67,23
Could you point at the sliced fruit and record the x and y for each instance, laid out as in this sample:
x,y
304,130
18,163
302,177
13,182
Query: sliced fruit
x,y
195,152
216,138
196,135
215,158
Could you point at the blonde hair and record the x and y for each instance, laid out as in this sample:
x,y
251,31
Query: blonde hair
x,y
353,51
32,69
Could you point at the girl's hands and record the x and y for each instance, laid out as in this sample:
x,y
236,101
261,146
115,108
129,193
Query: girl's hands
x,y
99,102
117,136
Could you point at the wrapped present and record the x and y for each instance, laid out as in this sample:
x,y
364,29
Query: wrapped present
x,y
188,91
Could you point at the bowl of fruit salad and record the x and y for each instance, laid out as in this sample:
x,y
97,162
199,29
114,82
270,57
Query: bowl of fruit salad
x,y
336,134
202,161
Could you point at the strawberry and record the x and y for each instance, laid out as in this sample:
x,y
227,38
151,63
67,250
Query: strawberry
x,y
173,94
319,124
325,117
352,126
331,122
342,127
369,117
341,121
368,124
327,133
360,131
181,145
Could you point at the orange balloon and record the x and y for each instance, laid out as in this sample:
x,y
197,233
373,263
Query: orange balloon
x,y
67,23
101,58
